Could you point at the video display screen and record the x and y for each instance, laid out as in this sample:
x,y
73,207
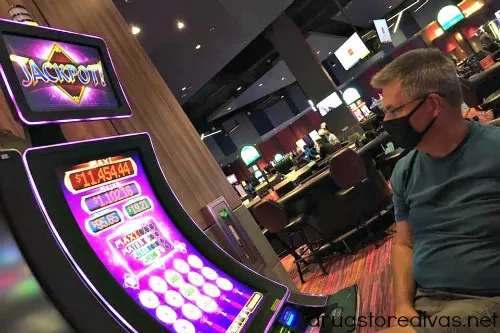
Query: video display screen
x,y
120,216
352,51
60,76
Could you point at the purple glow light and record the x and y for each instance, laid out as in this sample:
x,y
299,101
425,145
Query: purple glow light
x,y
163,312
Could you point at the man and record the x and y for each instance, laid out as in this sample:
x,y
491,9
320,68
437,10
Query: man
x,y
446,254
332,139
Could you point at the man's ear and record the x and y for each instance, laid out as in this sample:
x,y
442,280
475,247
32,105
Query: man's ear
x,y
436,103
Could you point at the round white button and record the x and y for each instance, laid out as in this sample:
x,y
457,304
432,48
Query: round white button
x,y
209,273
174,278
211,290
224,284
166,314
206,304
149,299
158,284
189,292
191,312
173,298
196,279
181,266
184,326
195,262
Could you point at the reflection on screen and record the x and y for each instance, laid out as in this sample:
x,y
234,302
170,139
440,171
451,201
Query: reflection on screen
x,y
124,223
60,76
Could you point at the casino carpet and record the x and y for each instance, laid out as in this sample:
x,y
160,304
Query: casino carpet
x,y
369,268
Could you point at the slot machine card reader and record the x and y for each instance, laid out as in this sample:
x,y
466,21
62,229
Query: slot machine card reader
x,y
336,313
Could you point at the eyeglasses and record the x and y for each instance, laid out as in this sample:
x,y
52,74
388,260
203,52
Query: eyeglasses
x,y
395,110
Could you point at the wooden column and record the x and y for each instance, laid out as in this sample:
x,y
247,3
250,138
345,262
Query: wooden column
x,y
191,170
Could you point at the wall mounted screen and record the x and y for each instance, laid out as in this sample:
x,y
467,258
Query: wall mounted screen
x,y
122,220
351,52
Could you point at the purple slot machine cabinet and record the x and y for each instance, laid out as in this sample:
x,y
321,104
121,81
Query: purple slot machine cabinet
x,y
97,222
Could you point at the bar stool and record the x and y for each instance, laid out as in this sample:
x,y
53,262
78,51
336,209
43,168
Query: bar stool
x,y
274,218
348,172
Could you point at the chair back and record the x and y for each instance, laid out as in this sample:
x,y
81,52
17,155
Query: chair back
x,y
271,215
347,169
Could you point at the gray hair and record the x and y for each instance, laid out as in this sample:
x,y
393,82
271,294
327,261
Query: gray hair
x,y
421,72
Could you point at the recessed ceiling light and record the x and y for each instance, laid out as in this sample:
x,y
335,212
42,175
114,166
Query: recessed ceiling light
x,y
317,52
330,52
282,97
198,46
390,7
282,79
228,109
260,84
135,30
333,65
180,25
212,29
238,89
183,88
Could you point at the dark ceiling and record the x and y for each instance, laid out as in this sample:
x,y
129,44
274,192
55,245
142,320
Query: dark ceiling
x,y
234,49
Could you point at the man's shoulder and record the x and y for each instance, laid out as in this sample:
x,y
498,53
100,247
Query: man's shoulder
x,y
401,168
488,132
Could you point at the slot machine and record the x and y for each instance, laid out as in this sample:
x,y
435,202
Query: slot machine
x,y
97,222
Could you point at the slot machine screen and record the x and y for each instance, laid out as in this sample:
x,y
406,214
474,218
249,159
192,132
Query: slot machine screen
x,y
124,223
51,76
58,76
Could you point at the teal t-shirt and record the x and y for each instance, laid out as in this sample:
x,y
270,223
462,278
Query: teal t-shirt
x,y
453,207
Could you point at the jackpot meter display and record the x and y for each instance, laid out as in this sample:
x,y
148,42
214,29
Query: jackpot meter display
x,y
122,220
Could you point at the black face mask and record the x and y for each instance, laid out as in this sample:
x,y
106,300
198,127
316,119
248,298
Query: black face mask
x,y
401,131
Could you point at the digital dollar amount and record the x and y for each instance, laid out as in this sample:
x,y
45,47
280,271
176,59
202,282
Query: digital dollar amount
x,y
83,179
104,222
138,207
111,197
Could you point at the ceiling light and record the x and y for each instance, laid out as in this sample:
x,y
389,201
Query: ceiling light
x,y
228,109
390,7
282,97
183,88
317,52
238,89
398,21
330,52
198,46
260,84
135,30
180,25
282,79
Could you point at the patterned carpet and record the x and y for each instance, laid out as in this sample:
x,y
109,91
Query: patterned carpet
x,y
369,268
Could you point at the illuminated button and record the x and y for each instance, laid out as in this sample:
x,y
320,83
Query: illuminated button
x,y
174,278
149,299
173,298
196,279
184,326
158,284
195,262
224,284
206,304
166,314
189,292
209,273
181,266
191,312
211,290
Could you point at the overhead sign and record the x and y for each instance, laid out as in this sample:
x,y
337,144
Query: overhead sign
x,y
352,51
249,155
448,16
384,35
351,95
